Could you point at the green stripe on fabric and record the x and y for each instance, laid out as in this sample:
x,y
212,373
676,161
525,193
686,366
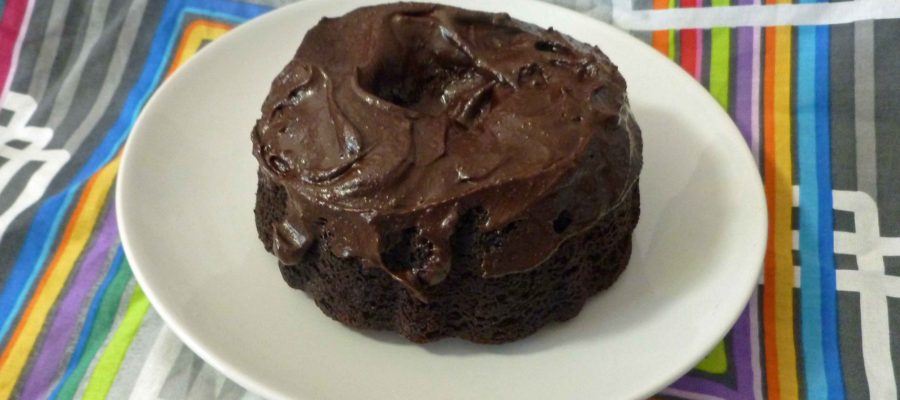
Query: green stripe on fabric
x,y
672,4
719,61
672,44
716,362
108,366
719,65
106,315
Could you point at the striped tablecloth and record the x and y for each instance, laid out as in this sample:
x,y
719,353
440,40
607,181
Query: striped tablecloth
x,y
814,88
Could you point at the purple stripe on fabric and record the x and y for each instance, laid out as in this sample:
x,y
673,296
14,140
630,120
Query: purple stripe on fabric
x,y
744,82
742,359
743,367
62,330
702,386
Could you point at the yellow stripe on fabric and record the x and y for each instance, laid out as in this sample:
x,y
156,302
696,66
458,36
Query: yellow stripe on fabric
x,y
783,256
108,365
78,233
672,4
195,35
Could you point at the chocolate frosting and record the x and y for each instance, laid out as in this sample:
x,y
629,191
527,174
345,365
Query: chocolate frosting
x,y
406,116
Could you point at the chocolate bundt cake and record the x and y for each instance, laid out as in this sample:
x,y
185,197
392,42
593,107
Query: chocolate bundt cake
x,y
442,172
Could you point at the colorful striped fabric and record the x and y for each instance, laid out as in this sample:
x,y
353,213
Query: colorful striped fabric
x,y
814,89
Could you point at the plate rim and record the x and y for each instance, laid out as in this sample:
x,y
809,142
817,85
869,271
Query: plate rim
x,y
744,156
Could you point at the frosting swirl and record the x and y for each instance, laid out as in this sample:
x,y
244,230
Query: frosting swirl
x,y
406,116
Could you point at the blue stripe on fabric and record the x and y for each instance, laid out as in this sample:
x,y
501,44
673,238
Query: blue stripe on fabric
x,y
157,61
44,228
830,345
807,159
223,10
139,93
42,233
89,322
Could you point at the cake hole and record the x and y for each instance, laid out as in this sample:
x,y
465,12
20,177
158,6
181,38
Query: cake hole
x,y
532,75
603,98
562,221
549,46
406,250
279,165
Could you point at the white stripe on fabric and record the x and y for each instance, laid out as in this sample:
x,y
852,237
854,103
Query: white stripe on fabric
x,y
159,362
756,15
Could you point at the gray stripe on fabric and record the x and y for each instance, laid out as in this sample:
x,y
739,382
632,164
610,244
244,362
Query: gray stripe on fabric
x,y
10,192
642,5
231,391
73,34
31,46
52,37
850,332
181,376
206,384
72,78
843,139
117,67
644,36
705,61
887,125
864,108
894,323
94,127
137,354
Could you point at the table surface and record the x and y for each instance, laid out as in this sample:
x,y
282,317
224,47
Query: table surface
x,y
814,89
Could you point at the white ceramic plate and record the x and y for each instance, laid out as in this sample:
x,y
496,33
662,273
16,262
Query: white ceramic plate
x,y
186,192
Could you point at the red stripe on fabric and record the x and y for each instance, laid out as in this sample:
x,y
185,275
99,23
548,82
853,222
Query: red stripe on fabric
x,y
689,43
11,27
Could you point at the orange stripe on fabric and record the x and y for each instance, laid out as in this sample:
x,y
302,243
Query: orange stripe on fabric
x,y
75,237
784,263
661,38
769,330
193,36
778,297
67,234
661,42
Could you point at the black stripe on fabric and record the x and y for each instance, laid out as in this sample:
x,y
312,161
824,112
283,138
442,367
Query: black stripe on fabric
x,y
892,268
12,239
72,33
31,45
133,70
13,189
842,108
706,62
894,327
87,87
850,334
887,123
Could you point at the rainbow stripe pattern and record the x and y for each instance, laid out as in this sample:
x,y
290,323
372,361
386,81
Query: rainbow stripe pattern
x,y
817,104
